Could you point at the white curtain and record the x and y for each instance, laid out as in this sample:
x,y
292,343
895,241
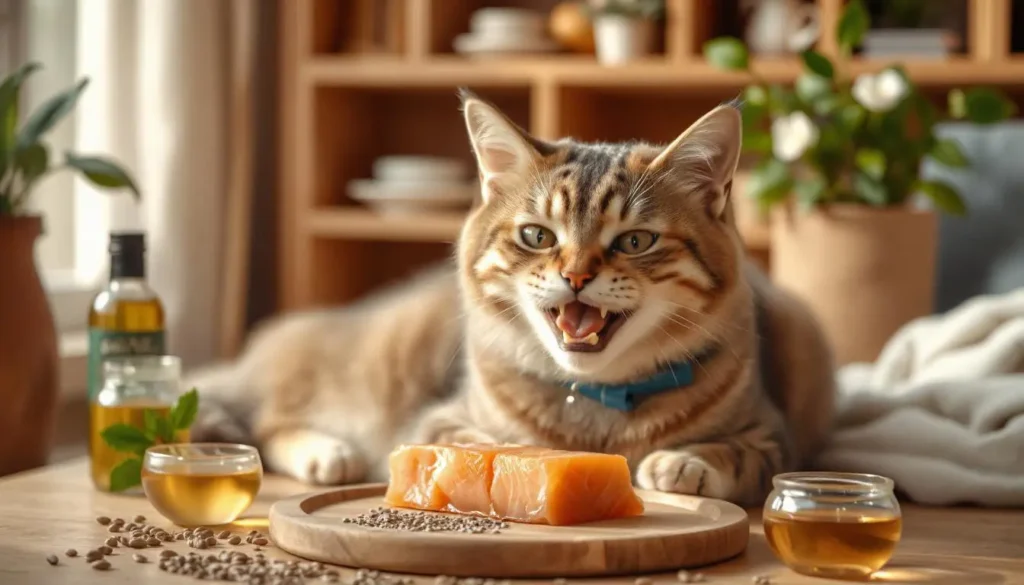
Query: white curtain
x,y
158,102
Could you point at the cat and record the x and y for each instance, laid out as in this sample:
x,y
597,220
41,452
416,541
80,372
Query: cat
x,y
585,263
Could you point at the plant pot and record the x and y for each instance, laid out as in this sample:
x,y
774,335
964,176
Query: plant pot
x,y
620,39
864,272
28,351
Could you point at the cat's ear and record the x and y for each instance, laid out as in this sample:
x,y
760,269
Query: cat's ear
x,y
706,154
505,153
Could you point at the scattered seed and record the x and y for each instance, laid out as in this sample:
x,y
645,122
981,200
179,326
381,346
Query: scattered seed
x,y
236,540
71,553
137,543
140,519
153,541
52,559
167,553
112,542
260,541
124,540
101,565
762,580
139,558
93,555
114,528
224,535
424,522
560,581
106,550
642,581
211,541
257,549
102,520
698,578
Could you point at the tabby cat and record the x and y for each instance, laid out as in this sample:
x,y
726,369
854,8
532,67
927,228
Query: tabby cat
x,y
611,275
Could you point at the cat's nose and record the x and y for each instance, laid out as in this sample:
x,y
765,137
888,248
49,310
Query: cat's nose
x,y
577,280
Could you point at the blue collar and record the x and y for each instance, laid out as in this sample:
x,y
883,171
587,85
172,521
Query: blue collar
x,y
625,397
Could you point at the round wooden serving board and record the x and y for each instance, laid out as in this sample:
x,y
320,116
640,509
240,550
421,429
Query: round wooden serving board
x,y
675,532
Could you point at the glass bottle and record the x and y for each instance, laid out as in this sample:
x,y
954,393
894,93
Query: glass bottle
x,y
132,385
834,525
127,317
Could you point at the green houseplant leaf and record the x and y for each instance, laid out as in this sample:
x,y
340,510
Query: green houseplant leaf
x,y
101,172
853,23
986,106
727,53
818,63
9,91
871,162
810,192
947,152
32,162
126,475
47,115
944,196
870,189
770,182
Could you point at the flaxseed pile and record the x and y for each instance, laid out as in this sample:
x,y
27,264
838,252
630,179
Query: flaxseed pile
x,y
423,522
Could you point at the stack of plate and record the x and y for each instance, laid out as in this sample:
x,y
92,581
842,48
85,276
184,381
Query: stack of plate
x,y
505,31
407,184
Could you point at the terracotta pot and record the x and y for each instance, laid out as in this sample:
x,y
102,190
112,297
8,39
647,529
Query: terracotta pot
x,y
28,351
864,272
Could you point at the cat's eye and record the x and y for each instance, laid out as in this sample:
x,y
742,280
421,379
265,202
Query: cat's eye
x,y
537,237
635,242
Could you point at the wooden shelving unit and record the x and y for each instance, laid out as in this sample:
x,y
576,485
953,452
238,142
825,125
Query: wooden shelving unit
x,y
366,78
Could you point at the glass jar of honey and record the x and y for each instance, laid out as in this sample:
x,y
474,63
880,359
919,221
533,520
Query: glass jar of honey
x,y
835,525
131,386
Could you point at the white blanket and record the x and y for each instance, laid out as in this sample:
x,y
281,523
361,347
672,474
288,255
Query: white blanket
x,y
941,411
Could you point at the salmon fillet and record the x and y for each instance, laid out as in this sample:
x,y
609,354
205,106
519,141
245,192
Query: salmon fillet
x,y
511,482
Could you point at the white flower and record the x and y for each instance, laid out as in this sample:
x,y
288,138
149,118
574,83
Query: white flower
x,y
792,135
880,93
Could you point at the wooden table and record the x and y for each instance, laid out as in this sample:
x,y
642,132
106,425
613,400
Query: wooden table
x,y
48,510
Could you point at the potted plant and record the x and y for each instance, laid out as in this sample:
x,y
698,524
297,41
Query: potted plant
x,y
838,163
623,29
28,341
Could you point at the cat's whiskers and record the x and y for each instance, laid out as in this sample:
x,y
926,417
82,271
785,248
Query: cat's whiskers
x,y
700,313
689,354
688,323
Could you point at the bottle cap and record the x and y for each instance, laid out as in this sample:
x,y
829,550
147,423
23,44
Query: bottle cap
x,y
127,242
127,255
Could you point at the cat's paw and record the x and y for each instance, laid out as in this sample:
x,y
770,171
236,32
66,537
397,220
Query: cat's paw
x,y
317,459
684,471
464,435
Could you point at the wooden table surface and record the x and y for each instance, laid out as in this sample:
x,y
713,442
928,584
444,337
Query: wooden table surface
x,y
49,510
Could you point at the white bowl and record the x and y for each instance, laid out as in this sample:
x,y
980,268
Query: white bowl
x,y
413,194
492,18
474,44
419,168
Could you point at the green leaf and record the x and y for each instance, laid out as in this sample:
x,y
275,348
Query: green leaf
x,y
770,182
727,53
810,192
811,87
851,117
756,95
757,141
986,106
9,92
818,63
47,115
944,196
151,419
947,152
126,475
126,438
102,172
853,23
184,411
957,104
870,189
782,100
32,162
871,162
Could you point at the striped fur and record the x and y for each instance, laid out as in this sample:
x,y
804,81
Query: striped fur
x,y
467,353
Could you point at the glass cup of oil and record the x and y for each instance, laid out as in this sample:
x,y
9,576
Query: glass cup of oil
x,y
201,484
834,525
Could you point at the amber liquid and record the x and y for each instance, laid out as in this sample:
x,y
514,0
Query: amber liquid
x,y
200,497
101,456
834,544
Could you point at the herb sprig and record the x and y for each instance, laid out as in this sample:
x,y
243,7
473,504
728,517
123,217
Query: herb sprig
x,y
158,430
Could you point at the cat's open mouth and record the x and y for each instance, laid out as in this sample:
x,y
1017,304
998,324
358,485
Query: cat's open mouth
x,y
582,327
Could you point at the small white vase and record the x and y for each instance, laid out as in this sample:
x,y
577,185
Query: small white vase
x,y
620,39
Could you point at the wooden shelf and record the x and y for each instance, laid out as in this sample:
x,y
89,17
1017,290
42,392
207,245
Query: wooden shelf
x,y
447,72
364,224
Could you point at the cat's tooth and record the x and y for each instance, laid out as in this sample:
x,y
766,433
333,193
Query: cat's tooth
x,y
561,308
591,339
604,312
566,338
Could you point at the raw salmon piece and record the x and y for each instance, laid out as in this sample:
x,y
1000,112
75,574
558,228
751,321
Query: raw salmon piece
x,y
524,484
